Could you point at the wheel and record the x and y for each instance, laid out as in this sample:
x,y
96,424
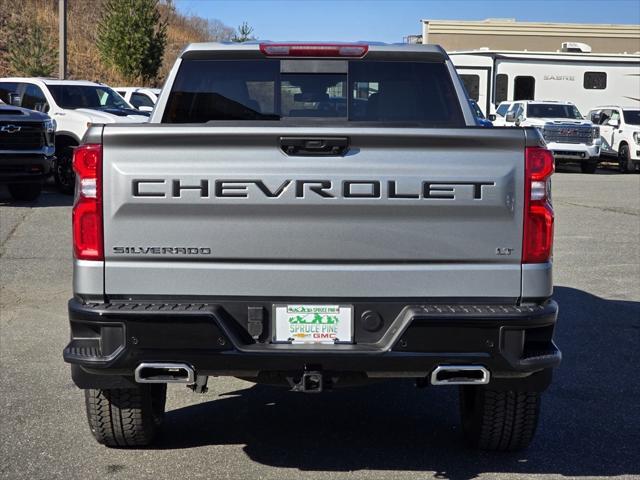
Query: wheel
x,y
625,164
25,191
588,167
63,172
498,420
128,417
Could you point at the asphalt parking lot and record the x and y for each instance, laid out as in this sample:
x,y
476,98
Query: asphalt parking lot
x,y
591,414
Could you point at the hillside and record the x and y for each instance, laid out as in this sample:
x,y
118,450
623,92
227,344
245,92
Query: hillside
x,y
83,60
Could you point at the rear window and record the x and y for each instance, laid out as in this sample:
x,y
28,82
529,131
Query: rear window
x,y
472,85
141,100
6,88
412,93
632,117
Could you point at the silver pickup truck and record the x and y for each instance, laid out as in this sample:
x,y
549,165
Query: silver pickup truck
x,y
313,216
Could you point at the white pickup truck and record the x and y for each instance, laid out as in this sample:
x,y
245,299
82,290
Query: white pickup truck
x,y
568,135
620,134
75,105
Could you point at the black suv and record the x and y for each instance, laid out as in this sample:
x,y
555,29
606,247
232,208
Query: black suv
x,y
27,145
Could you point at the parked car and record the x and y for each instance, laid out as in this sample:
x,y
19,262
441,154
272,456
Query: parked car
x,y
75,105
568,135
265,234
27,144
143,99
620,134
498,118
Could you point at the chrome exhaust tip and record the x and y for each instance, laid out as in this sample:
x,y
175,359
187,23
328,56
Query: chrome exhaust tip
x,y
460,375
164,373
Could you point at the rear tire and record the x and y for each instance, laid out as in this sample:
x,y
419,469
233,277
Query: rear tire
x,y
126,417
625,164
63,172
25,191
588,167
498,420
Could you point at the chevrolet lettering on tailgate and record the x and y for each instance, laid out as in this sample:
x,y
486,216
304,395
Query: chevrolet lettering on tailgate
x,y
322,188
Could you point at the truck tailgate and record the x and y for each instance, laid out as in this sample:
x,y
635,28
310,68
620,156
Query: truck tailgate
x,y
204,211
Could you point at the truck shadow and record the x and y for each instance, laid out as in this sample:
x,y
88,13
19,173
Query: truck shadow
x,y
589,423
604,168
50,197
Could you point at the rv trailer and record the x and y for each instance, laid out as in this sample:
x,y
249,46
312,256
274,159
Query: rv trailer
x,y
586,79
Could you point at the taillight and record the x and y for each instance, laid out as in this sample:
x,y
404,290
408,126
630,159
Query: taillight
x,y
87,209
538,213
313,49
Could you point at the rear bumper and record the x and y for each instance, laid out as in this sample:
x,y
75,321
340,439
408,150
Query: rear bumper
x,y
24,168
215,339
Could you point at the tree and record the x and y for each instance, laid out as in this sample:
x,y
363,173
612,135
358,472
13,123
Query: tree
x,y
244,33
30,52
132,38
219,32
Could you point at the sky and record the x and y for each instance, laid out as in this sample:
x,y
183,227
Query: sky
x,y
389,20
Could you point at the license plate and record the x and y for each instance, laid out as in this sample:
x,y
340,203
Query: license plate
x,y
315,324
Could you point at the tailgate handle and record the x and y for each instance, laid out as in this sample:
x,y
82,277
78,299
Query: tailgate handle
x,y
317,146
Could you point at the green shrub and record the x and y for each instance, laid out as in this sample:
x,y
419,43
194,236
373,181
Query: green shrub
x,y
132,38
30,52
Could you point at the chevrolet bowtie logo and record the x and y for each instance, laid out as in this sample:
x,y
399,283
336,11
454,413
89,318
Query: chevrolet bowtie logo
x,y
10,128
